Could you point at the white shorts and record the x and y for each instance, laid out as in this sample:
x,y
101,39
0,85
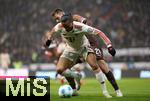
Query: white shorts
x,y
61,47
73,55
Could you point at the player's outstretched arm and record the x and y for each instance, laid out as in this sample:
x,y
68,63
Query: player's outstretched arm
x,y
106,40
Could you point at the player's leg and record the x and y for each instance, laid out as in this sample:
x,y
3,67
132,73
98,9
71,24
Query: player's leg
x,y
71,82
57,52
60,78
106,70
91,60
110,77
72,57
78,68
66,61
63,79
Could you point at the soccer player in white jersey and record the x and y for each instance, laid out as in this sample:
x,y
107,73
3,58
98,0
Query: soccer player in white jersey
x,y
77,45
56,14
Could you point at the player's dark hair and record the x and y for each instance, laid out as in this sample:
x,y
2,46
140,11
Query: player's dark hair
x,y
57,10
66,17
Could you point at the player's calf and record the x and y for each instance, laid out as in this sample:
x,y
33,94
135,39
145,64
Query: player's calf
x,y
71,82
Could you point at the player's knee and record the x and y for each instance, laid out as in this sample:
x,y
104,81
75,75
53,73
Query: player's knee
x,y
103,66
94,66
59,70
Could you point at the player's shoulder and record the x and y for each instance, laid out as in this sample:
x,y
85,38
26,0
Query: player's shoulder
x,y
77,16
78,25
58,27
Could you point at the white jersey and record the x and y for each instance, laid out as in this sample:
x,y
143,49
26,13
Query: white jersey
x,y
77,43
75,38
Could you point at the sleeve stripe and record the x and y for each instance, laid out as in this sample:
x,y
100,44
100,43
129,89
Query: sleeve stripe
x,y
104,37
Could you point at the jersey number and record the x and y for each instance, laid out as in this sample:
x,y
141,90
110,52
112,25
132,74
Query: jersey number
x,y
71,39
97,51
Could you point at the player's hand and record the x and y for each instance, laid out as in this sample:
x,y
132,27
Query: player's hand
x,y
84,21
112,51
47,43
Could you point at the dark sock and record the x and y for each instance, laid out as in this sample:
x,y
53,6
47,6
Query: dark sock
x,y
112,80
71,82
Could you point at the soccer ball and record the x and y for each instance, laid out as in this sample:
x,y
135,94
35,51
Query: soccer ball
x,y
65,91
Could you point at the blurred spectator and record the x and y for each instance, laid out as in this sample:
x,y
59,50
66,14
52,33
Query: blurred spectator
x,y
23,22
5,59
17,64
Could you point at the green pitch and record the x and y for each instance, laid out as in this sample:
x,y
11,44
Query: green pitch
x,y
133,90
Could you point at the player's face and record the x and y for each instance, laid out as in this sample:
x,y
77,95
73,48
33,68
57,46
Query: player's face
x,y
68,25
58,16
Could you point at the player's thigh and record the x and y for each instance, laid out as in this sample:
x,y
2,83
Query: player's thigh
x,y
100,59
78,67
67,59
63,64
91,60
103,65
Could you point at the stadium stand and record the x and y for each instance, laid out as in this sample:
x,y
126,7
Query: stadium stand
x,y
23,22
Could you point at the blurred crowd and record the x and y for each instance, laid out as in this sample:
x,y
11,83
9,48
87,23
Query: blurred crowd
x,y
23,23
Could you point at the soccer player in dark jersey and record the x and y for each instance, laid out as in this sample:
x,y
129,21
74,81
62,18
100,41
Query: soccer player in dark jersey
x,y
56,14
